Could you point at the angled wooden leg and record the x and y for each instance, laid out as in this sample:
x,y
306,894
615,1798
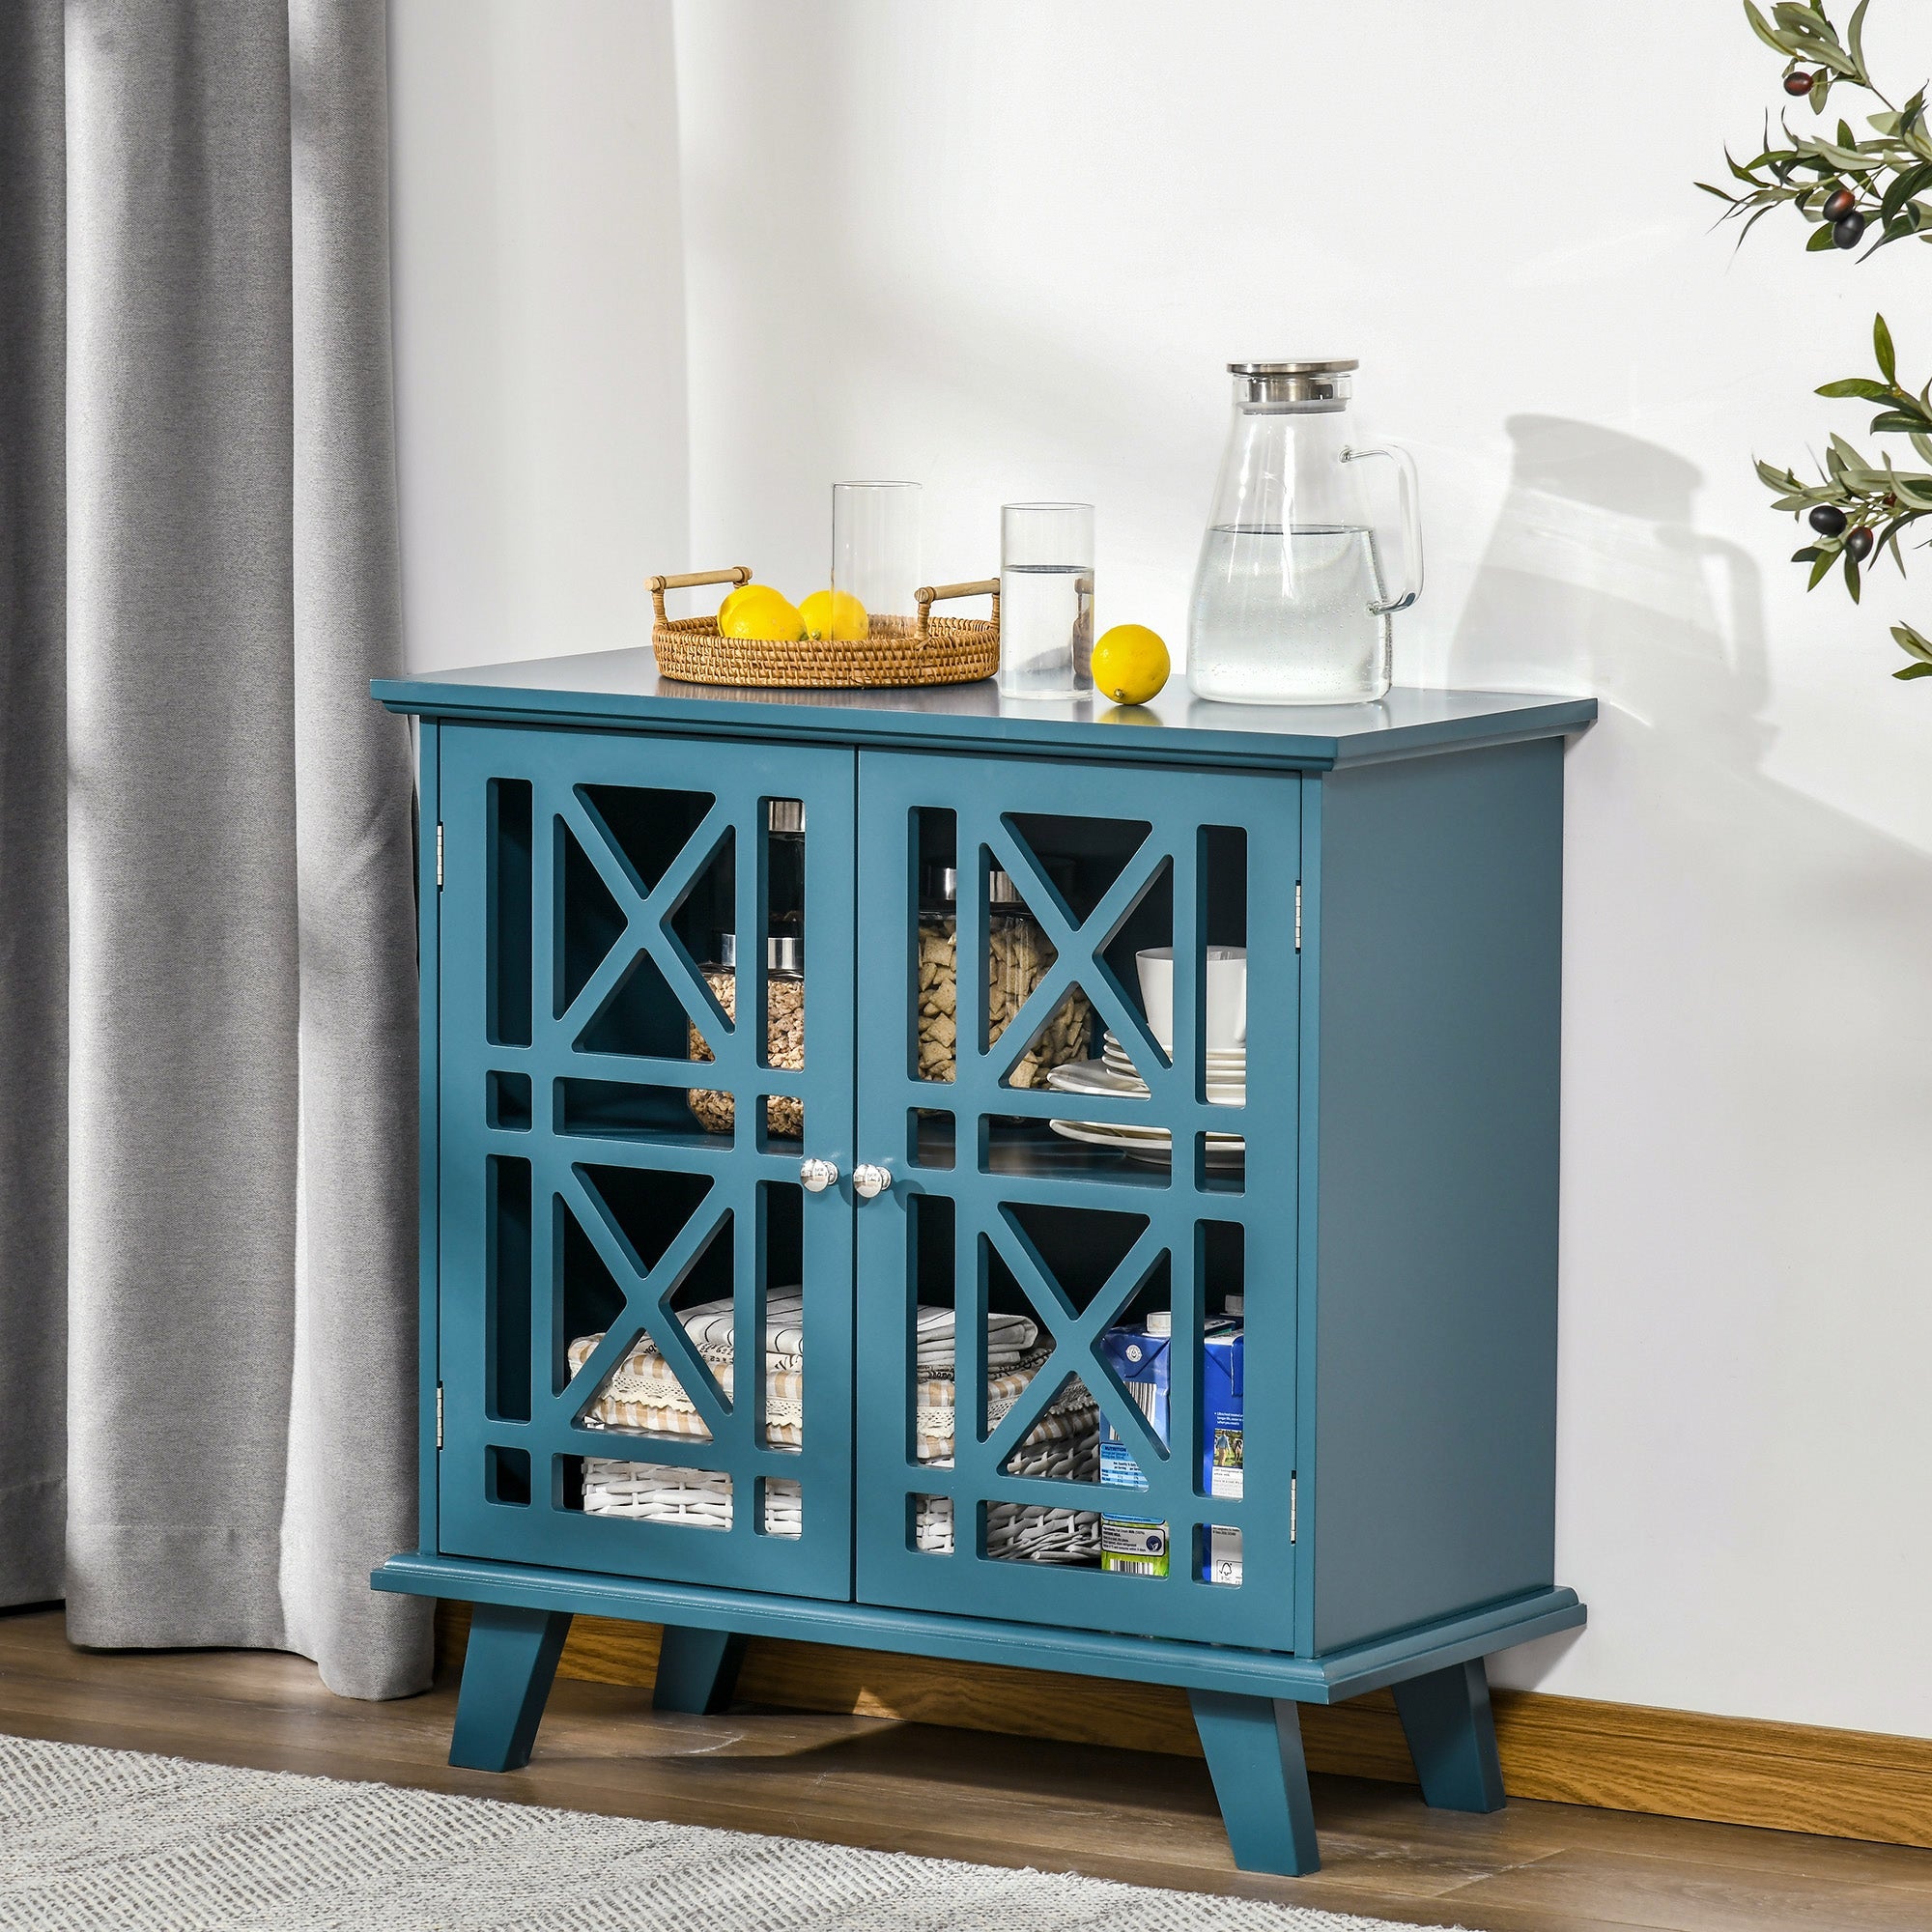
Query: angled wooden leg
x,y
1445,1717
506,1677
698,1670
1254,1755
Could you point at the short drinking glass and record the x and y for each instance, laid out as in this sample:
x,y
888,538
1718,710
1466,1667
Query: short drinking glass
x,y
1046,599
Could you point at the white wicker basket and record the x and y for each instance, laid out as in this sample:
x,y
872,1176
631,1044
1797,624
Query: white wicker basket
x,y
1027,1532
699,1499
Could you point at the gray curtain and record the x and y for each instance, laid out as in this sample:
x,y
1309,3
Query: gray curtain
x,y
207,953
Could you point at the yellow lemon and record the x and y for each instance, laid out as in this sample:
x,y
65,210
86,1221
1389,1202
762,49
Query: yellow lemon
x,y
1129,664
732,598
835,614
760,613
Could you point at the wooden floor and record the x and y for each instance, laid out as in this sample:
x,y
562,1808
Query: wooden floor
x,y
1142,1816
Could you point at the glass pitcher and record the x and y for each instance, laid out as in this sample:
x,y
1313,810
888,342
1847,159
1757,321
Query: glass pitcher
x,y
1293,597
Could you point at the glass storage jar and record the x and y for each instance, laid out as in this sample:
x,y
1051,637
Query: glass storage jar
x,y
784,979
785,869
1017,957
785,1032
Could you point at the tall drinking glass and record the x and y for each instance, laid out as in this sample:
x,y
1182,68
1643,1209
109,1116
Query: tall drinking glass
x,y
874,556
1046,599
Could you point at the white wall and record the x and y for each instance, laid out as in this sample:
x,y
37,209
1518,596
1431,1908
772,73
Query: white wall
x,y
1007,249
539,323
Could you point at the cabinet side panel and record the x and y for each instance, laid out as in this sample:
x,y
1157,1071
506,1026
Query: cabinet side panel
x,y
1435,1188
429,973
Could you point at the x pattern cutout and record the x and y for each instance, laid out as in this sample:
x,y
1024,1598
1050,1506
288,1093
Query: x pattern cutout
x,y
647,915
1077,1336
647,1293
647,912
1078,946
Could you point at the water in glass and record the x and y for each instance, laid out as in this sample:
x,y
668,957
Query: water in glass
x,y
1300,615
1046,628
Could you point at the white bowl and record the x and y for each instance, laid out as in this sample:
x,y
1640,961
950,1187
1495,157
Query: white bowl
x,y
1226,1002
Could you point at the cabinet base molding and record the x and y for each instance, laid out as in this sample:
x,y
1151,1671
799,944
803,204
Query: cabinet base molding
x,y
1574,1750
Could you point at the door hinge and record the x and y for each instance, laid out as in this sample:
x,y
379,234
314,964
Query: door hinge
x,y
439,1426
1298,889
1291,1499
439,879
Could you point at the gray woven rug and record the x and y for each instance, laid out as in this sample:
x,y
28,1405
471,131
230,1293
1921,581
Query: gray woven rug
x,y
107,1838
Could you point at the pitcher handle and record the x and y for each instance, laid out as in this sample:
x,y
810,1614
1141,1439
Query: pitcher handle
x,y
1407,494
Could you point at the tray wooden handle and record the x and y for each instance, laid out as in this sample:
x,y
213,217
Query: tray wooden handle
x,y
739,573
929,594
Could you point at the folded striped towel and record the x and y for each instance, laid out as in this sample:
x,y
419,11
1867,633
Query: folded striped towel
x,y
713,1327
1008,1338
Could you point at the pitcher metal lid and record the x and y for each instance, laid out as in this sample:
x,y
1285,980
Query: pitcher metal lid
x,y
1334,366
1293,387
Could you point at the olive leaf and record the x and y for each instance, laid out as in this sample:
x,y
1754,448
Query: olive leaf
x,y
1915,649
1762,28
1902,189
1884,178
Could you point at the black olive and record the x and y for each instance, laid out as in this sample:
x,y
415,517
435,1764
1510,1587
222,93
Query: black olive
x,y
1798,83
1846,233
1827,519
1838,203
1858,545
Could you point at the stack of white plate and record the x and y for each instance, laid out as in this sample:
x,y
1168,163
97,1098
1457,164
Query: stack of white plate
x,y
1227,1072
1112,1077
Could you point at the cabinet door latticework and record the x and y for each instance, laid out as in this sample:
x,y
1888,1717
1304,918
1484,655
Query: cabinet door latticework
x,y
645,1326
1080,1157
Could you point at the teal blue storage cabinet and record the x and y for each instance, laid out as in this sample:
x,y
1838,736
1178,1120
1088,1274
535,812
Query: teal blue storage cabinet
x,y
636,1180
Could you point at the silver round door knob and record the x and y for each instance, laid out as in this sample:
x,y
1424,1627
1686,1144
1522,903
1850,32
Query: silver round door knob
x,y
817,1174
868,1183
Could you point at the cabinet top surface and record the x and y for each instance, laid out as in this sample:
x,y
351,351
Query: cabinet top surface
x,y
623,690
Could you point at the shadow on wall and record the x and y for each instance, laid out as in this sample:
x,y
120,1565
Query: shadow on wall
x,y
1744,1115
1595,565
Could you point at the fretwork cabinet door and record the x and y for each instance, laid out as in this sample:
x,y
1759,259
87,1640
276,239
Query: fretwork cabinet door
x,y
609,1267
1024,1223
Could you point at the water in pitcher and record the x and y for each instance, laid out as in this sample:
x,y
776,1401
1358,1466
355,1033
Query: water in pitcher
x,y
1046,629
1289,618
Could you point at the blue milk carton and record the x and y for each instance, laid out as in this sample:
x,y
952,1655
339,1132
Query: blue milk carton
x,y
1137,1545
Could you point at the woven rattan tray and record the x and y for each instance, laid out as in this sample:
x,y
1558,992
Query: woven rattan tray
x,y
898,650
